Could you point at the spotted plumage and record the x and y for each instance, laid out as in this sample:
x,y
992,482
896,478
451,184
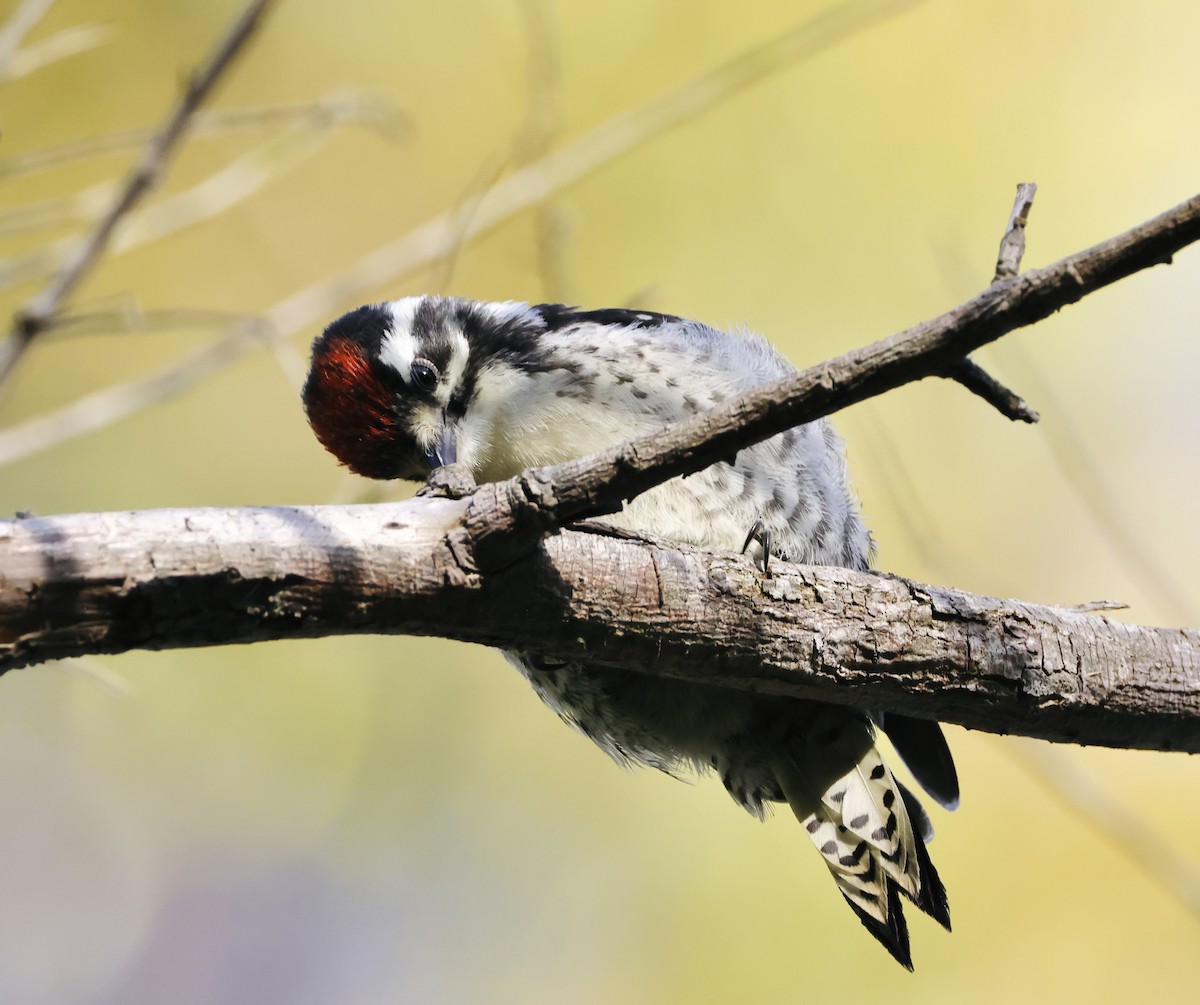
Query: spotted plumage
x,y
397,388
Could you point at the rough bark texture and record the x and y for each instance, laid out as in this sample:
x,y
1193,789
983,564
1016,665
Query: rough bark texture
x,y
106,583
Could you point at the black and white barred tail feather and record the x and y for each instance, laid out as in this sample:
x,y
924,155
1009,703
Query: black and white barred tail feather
x,y
868,828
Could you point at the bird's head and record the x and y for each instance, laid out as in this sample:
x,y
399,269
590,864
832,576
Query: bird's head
x,y
391,384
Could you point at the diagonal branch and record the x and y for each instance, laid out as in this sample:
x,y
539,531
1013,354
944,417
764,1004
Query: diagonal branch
x,y
599,484
978,381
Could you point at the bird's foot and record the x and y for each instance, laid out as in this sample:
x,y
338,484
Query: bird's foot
x,y
762,535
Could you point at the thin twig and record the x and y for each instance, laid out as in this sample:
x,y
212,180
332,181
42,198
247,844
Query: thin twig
x,y
978,381
532,141
903,499
1084,474
966,371
230,185
43,214
149,169
540,130
111,681
1096,606
121,314
575,160
461,218
1012,245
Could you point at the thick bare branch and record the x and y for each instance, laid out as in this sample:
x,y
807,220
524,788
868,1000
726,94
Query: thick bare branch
x,y
103,583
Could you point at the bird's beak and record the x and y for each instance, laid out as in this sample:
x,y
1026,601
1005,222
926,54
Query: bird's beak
x,y
444,450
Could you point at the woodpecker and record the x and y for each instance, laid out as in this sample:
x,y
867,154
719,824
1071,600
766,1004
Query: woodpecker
x,y
399,388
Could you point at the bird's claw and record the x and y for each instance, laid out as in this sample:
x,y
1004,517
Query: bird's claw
x,y
762,535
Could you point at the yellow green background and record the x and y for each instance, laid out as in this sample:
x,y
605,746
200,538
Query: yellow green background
x,y
371,820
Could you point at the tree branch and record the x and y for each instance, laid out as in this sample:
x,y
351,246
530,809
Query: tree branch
x,y
1012,244
1008,263
105,583
596,485
978,381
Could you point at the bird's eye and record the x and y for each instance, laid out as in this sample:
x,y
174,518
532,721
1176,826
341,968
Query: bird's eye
x,y
424,374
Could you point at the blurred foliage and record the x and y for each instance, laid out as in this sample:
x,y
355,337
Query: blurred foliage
x,y
366,820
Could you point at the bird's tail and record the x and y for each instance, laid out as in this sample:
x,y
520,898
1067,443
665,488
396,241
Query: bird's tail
x,y
869,829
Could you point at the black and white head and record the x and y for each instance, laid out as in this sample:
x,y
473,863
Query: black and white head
x,y
391,384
